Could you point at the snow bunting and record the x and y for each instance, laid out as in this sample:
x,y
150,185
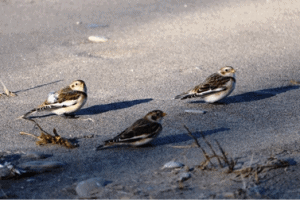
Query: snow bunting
x,y
141,132
64,102
216,87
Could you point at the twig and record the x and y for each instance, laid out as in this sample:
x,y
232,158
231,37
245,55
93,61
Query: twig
x,y
185,146
211,149
230,163
197,143
30,134
190,134
244,182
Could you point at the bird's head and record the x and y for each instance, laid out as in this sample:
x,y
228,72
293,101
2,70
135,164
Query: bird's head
x,y
227,71
78,85
155,115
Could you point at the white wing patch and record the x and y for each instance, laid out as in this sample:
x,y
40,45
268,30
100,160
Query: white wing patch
x,y
65,104
211,91
52,97
133,138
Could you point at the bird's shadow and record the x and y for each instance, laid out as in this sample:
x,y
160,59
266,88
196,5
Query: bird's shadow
x,y
38,86
254,96
171,139
93,110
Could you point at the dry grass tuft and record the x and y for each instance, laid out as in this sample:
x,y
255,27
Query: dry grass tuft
x,y
294,82
207,163
46,138
272,163
225,161
7,92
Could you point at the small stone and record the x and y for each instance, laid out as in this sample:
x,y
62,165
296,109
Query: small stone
x,y
184,176
195,111
98,39
228,195
172,164
41,166
4,173
93,25
78,23
91,186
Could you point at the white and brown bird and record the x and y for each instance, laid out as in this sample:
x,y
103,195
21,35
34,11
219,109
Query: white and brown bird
x,y
139,133
65,102
216,87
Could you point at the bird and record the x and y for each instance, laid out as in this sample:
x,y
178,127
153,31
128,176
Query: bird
x,y
64,102
141,132
216,87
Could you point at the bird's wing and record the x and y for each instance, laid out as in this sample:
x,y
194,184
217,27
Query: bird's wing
x,y
213,84
65,98
139,130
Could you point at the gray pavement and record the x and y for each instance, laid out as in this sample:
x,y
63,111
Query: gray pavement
x,y
155,51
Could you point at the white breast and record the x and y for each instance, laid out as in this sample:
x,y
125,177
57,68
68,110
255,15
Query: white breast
x,y
220,95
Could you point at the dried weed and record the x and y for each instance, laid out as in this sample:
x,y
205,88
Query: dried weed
x,y
207,163
46,138
294,82
7,92
225,161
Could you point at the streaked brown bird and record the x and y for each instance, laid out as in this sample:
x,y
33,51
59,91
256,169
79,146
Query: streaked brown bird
x,y
216,87
141,132
65,102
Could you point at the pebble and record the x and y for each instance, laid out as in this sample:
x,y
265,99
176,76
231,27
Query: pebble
x,y
172,164
78,23
93,25
92,185
41,166
228,195
98,39
7,170
195,111
4,173
184,176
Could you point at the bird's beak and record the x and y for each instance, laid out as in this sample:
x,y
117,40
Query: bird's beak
x,y
164,114
233,71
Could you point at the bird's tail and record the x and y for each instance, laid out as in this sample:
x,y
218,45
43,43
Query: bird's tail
x,y
185,95
100,147
42,107
108,143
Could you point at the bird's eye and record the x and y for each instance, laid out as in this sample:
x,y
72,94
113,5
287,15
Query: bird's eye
x,y
154,118
226,70
76,83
